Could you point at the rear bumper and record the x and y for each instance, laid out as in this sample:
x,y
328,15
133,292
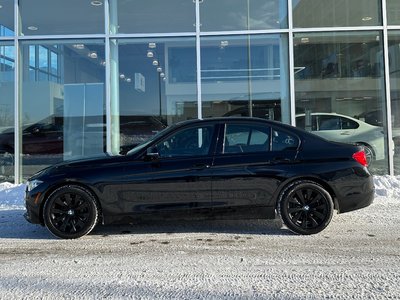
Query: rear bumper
x,y
356,194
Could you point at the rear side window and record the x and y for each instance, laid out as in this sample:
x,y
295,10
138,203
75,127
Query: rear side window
x,y
349,124
246,138
282,140
329,123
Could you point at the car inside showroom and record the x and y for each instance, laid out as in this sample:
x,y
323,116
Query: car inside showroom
x,y
83,78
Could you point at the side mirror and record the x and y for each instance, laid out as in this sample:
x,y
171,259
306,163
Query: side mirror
x,y
152,154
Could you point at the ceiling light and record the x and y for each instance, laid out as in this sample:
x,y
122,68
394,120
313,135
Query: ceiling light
x,y
224,43
162,75
155,62
152,45
96,3
92,54
150,54
79,46
33,28
1,6
366,18
159,69
128,80
122,76
305,40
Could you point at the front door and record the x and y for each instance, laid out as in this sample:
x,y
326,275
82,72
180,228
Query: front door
x,y
180,176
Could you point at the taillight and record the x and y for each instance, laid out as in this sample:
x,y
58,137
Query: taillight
x,y
361,158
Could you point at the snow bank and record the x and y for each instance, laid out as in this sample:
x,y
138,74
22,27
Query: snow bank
x,y
12,196
387,186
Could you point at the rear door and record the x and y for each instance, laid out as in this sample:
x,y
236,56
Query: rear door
x,y
250,163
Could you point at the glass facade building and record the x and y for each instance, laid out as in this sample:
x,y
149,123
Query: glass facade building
x,y
80,78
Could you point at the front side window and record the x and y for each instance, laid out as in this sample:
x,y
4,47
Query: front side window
x,y
246,139
187,142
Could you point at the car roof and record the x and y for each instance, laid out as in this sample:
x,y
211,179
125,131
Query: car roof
x,y
214,120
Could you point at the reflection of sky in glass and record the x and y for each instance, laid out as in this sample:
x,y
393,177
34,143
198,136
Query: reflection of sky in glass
x,y
43,57
7,57
53,63
4,31
32,56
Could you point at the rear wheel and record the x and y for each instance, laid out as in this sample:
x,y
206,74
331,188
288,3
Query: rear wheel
x,y
305,207
70,212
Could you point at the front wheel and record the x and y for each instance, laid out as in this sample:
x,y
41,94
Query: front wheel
x,y
305,207
70,212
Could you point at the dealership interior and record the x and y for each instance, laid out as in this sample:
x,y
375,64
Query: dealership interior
x,y
81,78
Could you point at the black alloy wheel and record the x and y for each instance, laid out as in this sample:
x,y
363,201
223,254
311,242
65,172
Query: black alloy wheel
x,y
305,207
70,212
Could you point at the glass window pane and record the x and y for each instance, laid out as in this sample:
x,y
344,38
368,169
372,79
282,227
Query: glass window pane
x,y
246,139
245,76
393,12
187,142
6,112
155,82
224,15
132,16
56,17
6,17
394,59
338,81
327,13
62,109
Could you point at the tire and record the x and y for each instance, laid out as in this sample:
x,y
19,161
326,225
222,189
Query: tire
x,y
305,207
70,212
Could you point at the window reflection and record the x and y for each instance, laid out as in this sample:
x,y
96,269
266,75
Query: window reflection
x,y
393,12
65,79
156,87
339,85
245,76
317,13
56,17
224,15
394,62
6,18
132,16
6,112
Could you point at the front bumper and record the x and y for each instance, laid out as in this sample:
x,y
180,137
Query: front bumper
x,y
33,202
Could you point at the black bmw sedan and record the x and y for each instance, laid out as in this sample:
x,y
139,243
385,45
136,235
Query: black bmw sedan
x,y
220,168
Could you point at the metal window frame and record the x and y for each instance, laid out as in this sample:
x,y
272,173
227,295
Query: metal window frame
x,y
197,34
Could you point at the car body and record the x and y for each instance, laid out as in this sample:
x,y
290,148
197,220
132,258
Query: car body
x,y
212,168
345,129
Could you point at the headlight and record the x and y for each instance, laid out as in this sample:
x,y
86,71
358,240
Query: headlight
x,y
33,184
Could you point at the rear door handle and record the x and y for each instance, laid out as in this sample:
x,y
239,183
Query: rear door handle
x,y
200,167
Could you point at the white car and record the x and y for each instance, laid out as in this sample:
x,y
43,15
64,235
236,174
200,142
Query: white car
x,y
341,128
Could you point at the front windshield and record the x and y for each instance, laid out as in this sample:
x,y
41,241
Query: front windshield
x,y
148,142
